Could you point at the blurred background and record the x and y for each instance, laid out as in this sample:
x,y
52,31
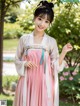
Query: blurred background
x,y
15,20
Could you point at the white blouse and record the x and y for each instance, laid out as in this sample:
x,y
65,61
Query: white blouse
x,y
50,45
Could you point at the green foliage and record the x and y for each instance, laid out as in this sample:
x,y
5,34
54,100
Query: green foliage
x,y
66,25
7,80
12,14
66,103
12,31
26,20
65,28
9,45
70,83
8,98
70,1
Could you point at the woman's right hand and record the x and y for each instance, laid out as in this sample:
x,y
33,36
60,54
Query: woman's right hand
x,y
30,64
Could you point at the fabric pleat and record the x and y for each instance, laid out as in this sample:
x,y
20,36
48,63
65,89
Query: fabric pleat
x,y
36,82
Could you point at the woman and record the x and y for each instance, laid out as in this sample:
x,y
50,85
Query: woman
x,y
38,62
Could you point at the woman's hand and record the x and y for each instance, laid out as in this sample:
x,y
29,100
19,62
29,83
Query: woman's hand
x,y
68,47
30,64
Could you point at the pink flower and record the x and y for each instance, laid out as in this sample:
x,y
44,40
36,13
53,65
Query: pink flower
x,y
65,73
62,78
74,73
66,65
70,78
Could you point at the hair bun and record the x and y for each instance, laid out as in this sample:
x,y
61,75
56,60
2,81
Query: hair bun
x,y
51,5
46,4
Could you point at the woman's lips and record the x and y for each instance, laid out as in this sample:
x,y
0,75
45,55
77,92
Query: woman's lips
x,y
40,27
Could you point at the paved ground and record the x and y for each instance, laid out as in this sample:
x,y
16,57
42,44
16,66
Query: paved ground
x,y
9,68
8,56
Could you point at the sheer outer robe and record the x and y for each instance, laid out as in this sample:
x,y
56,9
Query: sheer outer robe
x,y
50,45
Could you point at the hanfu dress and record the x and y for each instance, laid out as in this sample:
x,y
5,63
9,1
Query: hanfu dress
x,y
37,86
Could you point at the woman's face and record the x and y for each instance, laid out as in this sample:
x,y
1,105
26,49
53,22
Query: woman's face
x,y
41,23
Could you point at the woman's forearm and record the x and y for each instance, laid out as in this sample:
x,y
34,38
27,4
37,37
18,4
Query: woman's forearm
x,y
61,57
68,47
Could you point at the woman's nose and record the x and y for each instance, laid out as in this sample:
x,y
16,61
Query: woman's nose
x,y
42,23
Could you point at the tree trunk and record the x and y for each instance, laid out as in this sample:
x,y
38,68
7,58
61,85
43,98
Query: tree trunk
x,y
2,14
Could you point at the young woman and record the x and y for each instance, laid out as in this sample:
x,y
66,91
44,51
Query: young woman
x,y
38,62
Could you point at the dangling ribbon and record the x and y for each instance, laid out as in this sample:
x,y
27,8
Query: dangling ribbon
x,y
42,57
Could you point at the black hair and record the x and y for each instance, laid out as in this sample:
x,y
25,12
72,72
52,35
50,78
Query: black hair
x,y
44,8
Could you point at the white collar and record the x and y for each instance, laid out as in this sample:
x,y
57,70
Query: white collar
x,y
43,43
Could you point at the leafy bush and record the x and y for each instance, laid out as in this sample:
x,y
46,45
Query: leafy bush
x,y
65,29
12,31
26,20
7,80
70,84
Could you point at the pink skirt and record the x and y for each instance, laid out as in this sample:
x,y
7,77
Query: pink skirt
x,y
36,94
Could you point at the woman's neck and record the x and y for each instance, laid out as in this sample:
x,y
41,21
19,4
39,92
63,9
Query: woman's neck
x,y
38,34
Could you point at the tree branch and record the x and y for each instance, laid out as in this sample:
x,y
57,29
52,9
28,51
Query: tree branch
x,y
8,4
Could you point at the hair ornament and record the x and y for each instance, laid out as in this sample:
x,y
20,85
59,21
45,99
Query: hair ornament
x,y
45,4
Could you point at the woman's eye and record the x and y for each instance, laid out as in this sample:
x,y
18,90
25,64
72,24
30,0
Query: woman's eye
x,y
47,21
39,19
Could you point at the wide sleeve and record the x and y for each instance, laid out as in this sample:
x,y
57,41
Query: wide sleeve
x,y
19,63
54,54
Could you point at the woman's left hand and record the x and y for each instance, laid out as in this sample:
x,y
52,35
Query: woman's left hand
x,y
68,47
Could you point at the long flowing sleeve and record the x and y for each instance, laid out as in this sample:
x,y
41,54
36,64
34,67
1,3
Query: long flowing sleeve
x,y
19,63
55,57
